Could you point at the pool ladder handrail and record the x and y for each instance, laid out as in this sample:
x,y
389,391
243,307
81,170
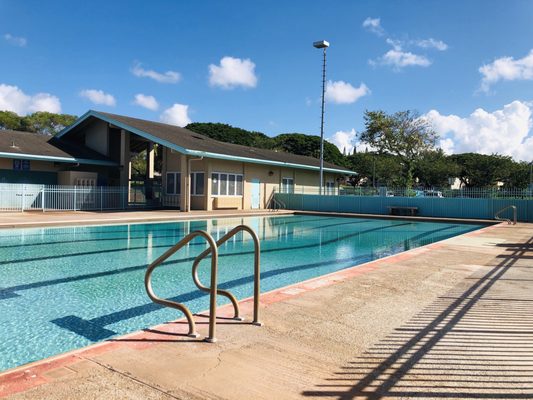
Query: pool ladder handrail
x,y
226,293
497,215
275,204
179,306
212,290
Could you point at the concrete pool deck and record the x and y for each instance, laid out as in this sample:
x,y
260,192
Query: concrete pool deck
x,y
449,320
30,219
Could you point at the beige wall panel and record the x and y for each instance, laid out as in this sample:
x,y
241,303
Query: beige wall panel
x,y
96,137
41,166
198,202
7,163
71,178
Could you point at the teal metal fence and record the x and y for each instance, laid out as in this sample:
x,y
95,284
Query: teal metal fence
x,y
482,207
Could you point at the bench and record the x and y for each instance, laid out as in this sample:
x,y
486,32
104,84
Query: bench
x,y
227,203
400,210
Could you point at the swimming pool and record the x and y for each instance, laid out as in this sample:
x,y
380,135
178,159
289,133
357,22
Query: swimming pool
x,y
68,287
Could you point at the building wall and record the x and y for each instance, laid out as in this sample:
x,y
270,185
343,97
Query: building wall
x,y
73,178
268,176
40,172
96,137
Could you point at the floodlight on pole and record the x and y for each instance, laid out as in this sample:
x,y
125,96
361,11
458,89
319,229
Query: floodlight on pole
x,y
322,44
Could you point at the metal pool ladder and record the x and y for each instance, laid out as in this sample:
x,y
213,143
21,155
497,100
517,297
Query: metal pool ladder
x,y
498,218
212,290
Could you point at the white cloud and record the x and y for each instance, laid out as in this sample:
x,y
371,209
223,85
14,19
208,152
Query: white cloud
x,y
344,140
431,44
506,131
15,40
341,92
14,99
98,97
399,59
374,25
178,115
233,72
165,77
506,69
145,101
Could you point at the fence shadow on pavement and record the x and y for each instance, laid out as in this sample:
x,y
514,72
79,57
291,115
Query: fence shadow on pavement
x,y
475,342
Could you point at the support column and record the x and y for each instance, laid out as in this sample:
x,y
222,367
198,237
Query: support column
x,y
185,184
208,205
150,157
125,159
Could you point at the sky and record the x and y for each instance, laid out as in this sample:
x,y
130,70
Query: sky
x,y
466,66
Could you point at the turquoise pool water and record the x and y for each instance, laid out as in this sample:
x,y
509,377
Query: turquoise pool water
x,y
64,288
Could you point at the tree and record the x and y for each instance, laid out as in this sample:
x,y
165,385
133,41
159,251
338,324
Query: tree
x,y
38,122
403,134
10,120
230,134
519,175
296,143
375,168
308,145
481,170
47,123
434,168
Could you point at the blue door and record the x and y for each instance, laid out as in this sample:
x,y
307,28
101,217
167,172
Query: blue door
x,y
256,193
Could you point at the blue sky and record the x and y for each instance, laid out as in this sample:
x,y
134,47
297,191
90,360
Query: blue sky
x,y
251,64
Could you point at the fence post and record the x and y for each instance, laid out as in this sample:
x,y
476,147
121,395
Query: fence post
x,y
101,197
42,198
75,198
23,197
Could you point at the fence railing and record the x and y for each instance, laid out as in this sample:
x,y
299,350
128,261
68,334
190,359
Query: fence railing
x,y
25,197
470,203
472,193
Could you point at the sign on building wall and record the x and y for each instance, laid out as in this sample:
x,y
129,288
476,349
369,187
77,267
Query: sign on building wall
x,y
21,165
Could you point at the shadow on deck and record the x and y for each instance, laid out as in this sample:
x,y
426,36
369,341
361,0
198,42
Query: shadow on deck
x,y
476,342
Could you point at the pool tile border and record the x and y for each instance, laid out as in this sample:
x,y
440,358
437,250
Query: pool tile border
x,y
25,377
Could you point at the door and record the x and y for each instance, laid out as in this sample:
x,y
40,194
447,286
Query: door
x,y
256,193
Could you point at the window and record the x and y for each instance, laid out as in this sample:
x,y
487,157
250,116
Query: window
x,y
173,183
239,185
287,185
330,187
197,183
224,184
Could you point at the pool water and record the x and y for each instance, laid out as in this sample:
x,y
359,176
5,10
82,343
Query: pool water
x,y
68,287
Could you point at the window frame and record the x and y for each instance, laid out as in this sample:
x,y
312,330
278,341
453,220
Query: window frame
x,y
330,187
285,187
235,181
177,188
193,184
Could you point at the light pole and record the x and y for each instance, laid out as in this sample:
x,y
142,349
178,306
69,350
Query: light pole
x,y
322,44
